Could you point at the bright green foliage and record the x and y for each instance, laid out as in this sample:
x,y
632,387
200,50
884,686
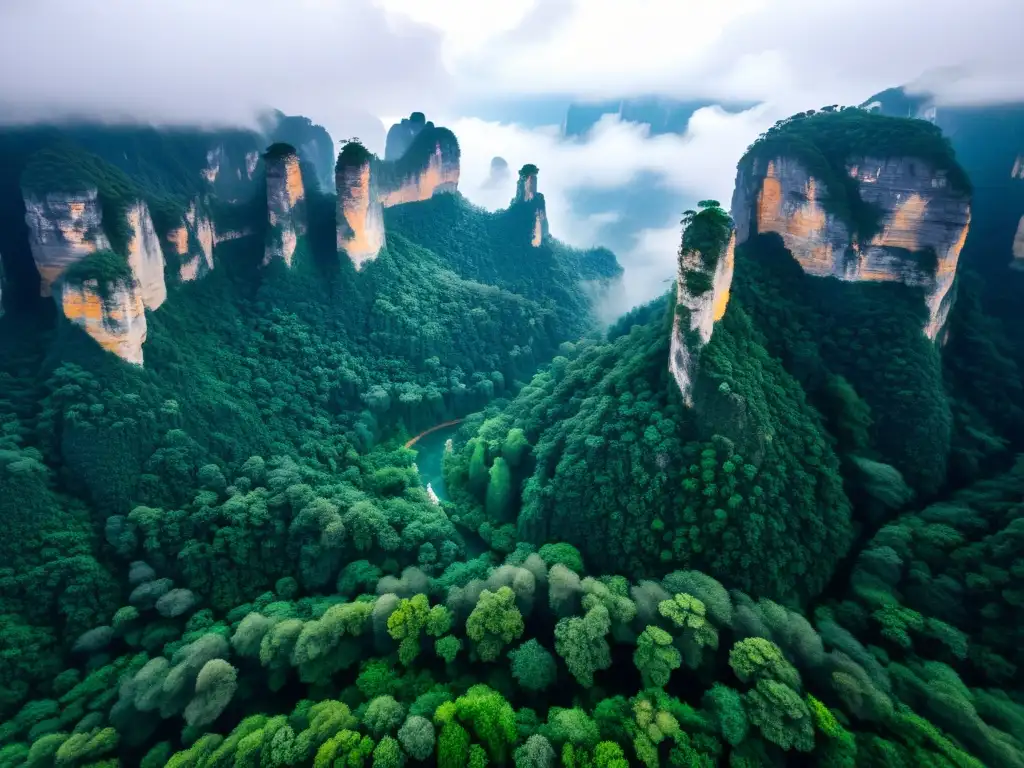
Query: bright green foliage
x,y
781,715
655,656
452,746
347,748
581,642
406,624
388,754
494,623
448,647
755,659
490,718
533,665
688,617
564,554
840,749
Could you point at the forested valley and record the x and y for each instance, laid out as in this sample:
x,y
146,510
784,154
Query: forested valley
x,y
774,517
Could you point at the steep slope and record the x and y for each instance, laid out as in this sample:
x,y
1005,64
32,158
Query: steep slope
x,y
800,359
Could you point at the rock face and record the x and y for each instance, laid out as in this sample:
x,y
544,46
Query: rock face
x,y
527,194
429,165
439,175
692,329
923,220
285,204
145,256
193,241
115,318
360,216
401,135
62,229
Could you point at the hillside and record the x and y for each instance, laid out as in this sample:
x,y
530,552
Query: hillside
x,y
768,519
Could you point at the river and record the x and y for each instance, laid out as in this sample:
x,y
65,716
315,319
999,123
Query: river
x,y
429,447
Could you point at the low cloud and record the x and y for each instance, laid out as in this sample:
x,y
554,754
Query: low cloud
x,y
194,61
613,155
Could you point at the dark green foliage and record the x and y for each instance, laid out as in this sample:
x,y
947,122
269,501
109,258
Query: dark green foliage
x,y
226,558
110,270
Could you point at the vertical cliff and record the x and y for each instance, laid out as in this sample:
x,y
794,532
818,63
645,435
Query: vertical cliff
x,y
114,317
429,166
286,210
145,257
527,195
193,242
360,217
706,260
893,217
401,136
63,228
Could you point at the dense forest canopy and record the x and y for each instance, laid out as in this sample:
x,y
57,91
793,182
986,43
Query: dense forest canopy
x,y
228,557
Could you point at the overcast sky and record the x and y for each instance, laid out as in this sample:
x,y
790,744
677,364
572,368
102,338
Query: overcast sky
x,y
355,64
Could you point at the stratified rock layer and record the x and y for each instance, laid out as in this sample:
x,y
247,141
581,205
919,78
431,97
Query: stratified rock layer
x,y
115,318
920,213
285,209
703,311
63,228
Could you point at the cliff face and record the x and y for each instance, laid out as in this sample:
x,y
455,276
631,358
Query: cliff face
x,y
439,175
285,209
693,327
116,320
428,165
360,216
527,194
145,257
921,215
193,241
62,229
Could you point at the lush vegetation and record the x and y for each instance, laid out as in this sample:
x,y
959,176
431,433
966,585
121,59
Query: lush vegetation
x,y
228,558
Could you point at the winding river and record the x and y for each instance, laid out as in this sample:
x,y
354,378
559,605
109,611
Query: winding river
x,y
429,447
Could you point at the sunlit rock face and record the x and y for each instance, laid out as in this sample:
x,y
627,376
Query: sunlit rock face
x,y
401,135
193,241
692,329
439,175
920,213
114,318
285,209
62,228
360,216
145,257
